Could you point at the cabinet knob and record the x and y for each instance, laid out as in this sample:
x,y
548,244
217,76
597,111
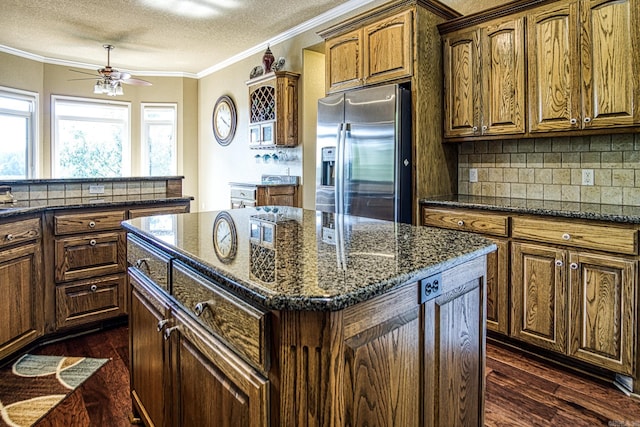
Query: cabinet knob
x,y
92,242
559,263
484,128
10,237
162,324
573,121
92,224
573,266
566,236
168,332
93,288
587,119
201,306
460,223
475,128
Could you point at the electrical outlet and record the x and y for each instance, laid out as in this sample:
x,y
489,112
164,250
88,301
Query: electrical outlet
x,y
587,177
96,189
473,175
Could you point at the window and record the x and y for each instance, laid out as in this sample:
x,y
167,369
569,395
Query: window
x,y
90,138
159,140
18,123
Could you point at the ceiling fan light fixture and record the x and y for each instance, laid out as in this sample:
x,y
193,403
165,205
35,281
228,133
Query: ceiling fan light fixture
x,y
118,89
97,89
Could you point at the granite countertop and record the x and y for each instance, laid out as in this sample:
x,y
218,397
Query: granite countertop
x,y
318,261
92,179
35,206
593,211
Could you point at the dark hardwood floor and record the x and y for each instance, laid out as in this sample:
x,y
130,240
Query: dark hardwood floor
x,y
521,391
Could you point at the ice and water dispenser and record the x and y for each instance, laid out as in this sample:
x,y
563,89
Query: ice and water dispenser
x,y
328,177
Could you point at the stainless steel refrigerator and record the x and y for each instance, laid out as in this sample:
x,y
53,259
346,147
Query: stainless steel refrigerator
x,y
364,153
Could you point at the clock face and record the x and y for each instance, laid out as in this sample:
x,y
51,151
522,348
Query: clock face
x,y
225,238
224,120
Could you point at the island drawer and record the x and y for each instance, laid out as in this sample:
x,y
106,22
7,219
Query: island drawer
x,y
19,231
605,237
493,224
84,256
240,325
84,222
148,261
90,301
158,210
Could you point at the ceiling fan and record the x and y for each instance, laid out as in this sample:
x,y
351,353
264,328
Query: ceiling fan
x,y
109,80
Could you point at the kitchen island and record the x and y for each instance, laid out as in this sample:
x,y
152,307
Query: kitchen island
x,y
279,316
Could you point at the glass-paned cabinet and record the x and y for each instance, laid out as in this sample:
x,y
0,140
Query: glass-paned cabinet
x,y
273,101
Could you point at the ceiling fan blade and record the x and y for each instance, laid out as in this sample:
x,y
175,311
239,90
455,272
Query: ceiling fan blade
x,y
84,72
136,82
87,78
120,75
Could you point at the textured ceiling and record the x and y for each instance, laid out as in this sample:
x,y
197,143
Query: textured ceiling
x,y
186,36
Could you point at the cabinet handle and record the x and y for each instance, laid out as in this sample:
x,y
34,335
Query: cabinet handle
x,y
92,242
587,119
10,237
573,266
92,224
484,128
475,128
93,288
201,306
168,331
566,236
142,261
573,121
460,223
162,324
559,263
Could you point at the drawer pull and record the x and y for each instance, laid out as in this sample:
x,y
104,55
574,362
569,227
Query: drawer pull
x,y
162,324
143,262
92,242
201,306
92,224
566,236
460,223
10,237
573,266
559,263
168,332
93,288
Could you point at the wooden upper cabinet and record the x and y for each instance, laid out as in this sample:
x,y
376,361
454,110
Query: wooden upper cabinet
x,y
484,79
344,61
388,47
583,65
610,45
377,52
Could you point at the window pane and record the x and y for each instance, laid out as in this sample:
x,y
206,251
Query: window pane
x,y
13,150
15,104
161,147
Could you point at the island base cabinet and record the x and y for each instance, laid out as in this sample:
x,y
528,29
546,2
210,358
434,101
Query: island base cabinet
x,y
211,385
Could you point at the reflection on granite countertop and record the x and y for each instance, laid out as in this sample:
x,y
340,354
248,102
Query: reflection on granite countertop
x,y
593,211
317,261
91,179
20,207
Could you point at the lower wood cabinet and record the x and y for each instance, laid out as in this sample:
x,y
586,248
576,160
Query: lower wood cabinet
x,y
498,287
250,195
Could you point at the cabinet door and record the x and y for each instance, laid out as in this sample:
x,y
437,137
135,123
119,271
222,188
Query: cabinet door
x,y
602,310
90,255
554,68
462,83
287,109
539,295
212,385
503,106
344,61
148,360
610,63
21,304
498,288
388,48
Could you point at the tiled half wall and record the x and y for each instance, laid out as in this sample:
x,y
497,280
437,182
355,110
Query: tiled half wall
x,y
551,168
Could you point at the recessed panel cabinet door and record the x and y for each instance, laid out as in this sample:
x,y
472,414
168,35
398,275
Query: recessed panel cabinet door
x,y
610,63
462,84
344,61
388,48
539,295
498,288
602,310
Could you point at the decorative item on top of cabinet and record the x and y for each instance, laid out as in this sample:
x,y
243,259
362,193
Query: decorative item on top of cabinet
x,y
584,65
378,52
484,86
273,110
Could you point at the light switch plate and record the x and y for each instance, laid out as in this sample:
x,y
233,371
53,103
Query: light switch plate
x,y
96,189
473,175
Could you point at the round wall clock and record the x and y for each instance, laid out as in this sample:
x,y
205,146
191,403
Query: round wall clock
x,y
225,237
224,120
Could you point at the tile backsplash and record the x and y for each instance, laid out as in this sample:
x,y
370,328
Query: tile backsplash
x,y
552,168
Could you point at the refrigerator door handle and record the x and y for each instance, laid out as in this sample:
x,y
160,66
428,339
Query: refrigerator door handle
x,y
339,192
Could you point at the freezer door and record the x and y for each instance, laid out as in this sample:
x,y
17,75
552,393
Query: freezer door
x,y
369,153
330,121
